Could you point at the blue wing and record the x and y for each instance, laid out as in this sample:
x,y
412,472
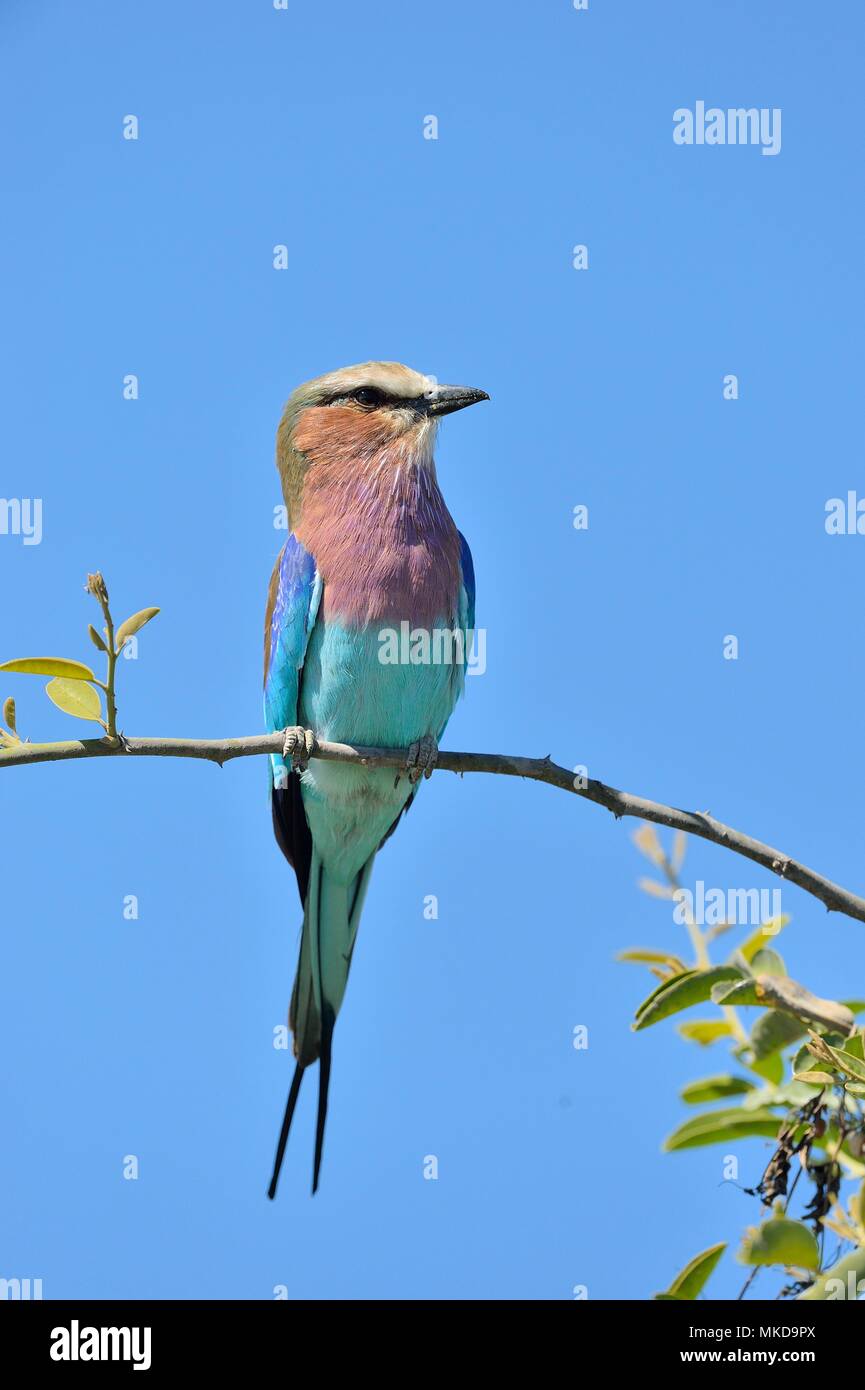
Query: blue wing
x,y
467,620
295,594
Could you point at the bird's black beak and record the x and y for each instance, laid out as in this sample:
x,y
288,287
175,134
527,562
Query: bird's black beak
x,y
444,400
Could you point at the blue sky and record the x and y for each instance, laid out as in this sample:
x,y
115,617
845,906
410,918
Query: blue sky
x,y
304,127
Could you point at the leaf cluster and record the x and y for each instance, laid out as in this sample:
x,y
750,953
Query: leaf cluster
x,y
795,1075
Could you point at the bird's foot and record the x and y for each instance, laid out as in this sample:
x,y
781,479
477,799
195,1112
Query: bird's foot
x,y
300,746
422,758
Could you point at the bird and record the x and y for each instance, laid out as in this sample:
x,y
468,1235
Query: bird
x,y
372,551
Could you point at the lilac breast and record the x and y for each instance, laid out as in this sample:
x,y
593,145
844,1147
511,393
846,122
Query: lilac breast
x,y
384,543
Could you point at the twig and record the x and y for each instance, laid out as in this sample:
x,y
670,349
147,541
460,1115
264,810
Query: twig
x,y
699,823
748,1282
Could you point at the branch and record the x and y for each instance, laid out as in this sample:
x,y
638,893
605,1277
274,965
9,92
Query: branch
x,y
700,823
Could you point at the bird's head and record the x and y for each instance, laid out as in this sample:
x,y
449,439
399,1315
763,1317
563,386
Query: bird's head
x,y
375,414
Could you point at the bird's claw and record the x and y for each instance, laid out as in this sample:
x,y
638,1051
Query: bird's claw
x,y
299,746
421,760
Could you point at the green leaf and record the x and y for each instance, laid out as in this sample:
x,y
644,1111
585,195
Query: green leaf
x,y
847,1062
837,1284
692,987
814,1078
644,957
771,1068
715,1088
774,1030
95,638
9,713
780,1241
830,1038
767,962
76,698
134,624
690,1281
50,666
856,1006
763,935
705,1030
855,1088
718,1126
740,991
662,985
796,1093
805,1060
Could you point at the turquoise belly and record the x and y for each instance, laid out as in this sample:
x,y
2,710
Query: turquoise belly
x,y
349,695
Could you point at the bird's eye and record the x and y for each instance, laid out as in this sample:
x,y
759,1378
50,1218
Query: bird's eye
x,y
368,396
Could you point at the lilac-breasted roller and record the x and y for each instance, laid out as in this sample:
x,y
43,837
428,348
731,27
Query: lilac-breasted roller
x,y
372,547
